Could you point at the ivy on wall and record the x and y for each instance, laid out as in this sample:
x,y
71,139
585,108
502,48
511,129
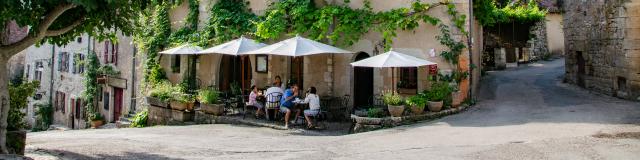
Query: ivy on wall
x,y
229,19
91,85
491,12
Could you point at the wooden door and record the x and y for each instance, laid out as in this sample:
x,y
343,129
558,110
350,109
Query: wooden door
x,y
117,103
296,75
363,83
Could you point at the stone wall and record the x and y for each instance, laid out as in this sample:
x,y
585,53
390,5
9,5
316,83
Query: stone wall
x,y
539,46
602,43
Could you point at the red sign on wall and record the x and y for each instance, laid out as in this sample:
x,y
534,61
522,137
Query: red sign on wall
x,y
433,69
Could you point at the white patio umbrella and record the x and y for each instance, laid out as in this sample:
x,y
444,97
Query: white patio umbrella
x,y
235,48
183,49
298,46
392,59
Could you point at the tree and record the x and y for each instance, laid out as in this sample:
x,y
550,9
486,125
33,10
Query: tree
x,y
56,22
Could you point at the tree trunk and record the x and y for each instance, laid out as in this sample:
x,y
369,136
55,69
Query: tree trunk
x,y
4,102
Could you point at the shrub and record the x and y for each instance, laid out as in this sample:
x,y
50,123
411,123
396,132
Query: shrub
x,y
208,96
391,98
418,101
375,113
140,119
96,117
44,117
18,95
163,91
438,92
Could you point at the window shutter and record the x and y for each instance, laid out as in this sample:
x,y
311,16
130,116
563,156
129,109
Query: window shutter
x,y
68,60
114,59
56,103
106,52
73,106
62,102
72,63
59,61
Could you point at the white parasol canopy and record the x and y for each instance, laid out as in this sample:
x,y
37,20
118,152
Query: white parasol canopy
x,y
235,47
392,59
298,46
183,49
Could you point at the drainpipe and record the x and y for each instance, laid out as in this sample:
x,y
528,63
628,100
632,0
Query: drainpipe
x,y
51,66
133,81
470,44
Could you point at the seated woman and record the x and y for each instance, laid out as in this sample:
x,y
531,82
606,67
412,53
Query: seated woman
x,y
252,100
314,106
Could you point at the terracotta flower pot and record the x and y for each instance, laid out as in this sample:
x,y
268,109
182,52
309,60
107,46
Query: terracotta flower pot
x,y
416,110
178,105
215,109
395,111
96,123
456,99
435,106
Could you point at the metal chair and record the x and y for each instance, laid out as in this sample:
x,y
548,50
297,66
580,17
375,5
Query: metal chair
x,y
245,101
272,103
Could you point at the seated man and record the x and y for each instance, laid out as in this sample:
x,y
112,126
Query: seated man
x,y
314,106
272,89
286,104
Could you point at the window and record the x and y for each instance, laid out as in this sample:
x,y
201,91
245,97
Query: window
x,y
63,62
105,102
408,78
38,68
28,70
78,106
175,63
110,55
78,59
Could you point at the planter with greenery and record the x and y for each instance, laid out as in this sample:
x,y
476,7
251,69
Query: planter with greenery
x,y
182,101
416,103
436,95
394,102
161,94
140,119
19,92
209,101
96,120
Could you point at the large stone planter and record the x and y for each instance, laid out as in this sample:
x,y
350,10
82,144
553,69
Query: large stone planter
x,y
156,102
395,111
16,141
456,99
416,110
435,106
367,120
179,105
215,109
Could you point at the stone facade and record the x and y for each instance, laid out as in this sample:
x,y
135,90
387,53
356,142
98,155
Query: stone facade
x,y
331,74
539,46
603,46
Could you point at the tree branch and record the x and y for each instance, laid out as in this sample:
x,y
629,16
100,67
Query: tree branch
x,y
12,49
61,31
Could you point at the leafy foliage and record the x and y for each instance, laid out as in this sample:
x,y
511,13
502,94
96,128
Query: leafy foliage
x,y
439,91
489,12
44,117
229,19
455,47
208,96
164,91
140,119
286,16
391,98
90,83
417,101
18,100
375,113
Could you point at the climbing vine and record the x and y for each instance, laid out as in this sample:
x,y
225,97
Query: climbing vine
x,y
229,19
489,12
286,16
90,84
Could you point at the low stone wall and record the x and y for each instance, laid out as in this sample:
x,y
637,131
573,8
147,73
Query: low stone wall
x,y
365,124
167,116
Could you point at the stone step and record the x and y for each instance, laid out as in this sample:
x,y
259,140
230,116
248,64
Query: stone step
x,y
123,124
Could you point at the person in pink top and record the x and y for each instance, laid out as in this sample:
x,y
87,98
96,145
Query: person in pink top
x,y
252,100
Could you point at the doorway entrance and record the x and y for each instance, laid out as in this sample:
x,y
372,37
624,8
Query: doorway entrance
x,y
363,83
117,103
297,67
229,72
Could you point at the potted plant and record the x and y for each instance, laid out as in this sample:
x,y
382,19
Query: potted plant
x,y
394,103
160,94
96,120
209,101
436,95
416,103
182,101
456,94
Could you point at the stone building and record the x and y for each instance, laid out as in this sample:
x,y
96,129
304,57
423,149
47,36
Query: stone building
x,y
331,74
603,46
60,72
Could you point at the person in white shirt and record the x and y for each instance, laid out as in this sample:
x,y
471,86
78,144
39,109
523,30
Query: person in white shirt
x,y
314,106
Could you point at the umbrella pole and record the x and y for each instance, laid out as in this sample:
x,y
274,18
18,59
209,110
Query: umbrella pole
x,y
242,74
393,84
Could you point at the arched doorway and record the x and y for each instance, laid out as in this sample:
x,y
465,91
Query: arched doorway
x,y
231,71
363,83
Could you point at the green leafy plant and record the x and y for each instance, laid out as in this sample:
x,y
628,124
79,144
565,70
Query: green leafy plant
x,y
375,113
439,91
108,70
18,100
418,101
140,119
96,117
235,88
44,117
184,98
208,96
455,47
490,12
391,98
163,91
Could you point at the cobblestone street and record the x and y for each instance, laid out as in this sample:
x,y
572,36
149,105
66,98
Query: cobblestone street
x,y
523,113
